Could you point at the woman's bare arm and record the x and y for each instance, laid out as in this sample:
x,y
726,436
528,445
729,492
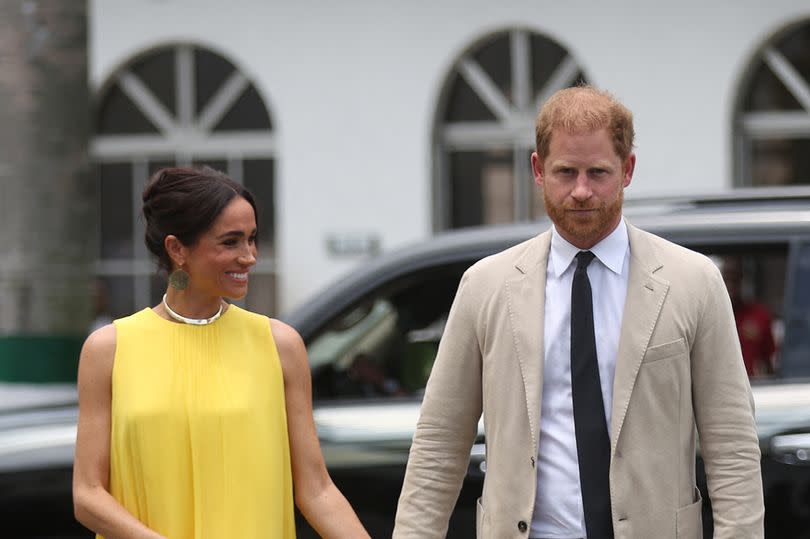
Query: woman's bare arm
x,y
92,503
316,496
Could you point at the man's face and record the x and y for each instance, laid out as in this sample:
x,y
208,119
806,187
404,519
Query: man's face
x,y
583,181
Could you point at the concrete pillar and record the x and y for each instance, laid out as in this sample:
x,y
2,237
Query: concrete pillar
x,y
48,197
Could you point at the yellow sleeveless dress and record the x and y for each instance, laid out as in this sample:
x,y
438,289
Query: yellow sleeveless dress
x,y
199,446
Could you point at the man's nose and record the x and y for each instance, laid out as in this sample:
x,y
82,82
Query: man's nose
x,y
582,188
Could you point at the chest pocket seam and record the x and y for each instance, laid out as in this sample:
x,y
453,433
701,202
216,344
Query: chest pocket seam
x,y
665,351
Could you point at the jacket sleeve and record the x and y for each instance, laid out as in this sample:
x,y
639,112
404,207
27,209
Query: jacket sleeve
x,y
724,412
447,425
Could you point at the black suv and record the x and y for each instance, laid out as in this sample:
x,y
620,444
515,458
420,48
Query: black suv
x,y
372,338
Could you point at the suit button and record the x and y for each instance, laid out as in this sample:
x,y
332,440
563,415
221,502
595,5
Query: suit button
x,y
522,526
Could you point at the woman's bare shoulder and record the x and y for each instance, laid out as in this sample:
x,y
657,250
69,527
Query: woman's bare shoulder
x,y
99,347
286,337
291,349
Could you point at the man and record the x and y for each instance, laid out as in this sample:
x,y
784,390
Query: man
x,y
593,370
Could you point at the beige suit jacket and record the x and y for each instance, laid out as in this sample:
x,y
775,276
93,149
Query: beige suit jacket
x,y
679,372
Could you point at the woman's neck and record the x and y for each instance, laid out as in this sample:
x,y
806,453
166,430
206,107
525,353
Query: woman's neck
x,y
189,304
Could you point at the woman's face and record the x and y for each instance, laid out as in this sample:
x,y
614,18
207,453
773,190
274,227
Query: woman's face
x,y
219,262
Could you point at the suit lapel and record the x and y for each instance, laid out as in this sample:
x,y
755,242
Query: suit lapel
x,y
645,297
525,294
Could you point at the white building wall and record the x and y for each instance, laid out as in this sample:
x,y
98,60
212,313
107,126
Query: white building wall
x,y
352,88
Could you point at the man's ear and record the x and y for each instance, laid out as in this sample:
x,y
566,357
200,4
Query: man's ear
x,y
629,167
176,250
537,169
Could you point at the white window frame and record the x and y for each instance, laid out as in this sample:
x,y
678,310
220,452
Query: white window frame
x,y
771,125
182,139
513,127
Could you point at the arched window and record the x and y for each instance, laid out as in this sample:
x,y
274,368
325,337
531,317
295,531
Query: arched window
x,y
772,123
484,131
176,105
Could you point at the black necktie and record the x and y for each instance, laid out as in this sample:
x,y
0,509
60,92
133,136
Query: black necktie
x,y
593,444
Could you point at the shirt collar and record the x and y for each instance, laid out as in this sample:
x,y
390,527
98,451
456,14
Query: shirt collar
x,y
610,251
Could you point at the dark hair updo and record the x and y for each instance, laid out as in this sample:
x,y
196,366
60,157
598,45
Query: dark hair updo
x,y
185,202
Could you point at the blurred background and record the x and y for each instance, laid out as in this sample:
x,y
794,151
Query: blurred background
x,y
361,126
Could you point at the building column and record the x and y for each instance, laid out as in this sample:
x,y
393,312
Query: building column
x,y
48,197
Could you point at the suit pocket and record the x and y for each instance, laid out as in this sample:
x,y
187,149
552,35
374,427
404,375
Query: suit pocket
x,y
479,518
689,520
665,351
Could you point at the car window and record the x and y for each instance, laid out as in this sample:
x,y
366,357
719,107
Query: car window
x,y
796,347
385,344
755,279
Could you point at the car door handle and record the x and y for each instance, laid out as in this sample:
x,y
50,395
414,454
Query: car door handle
x,y
478,457
791,448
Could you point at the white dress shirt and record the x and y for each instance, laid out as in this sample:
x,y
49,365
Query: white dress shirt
x,y
558,512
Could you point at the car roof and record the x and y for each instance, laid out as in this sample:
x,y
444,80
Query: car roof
x,y
744,216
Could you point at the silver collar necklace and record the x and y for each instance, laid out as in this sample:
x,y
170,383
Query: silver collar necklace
x,y
192,321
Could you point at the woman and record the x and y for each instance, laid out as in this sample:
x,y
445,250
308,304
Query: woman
x,y
195,416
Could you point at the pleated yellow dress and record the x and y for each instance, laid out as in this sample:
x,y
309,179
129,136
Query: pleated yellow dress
x,y
199,446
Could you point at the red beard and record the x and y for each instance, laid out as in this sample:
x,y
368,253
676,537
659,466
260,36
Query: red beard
x,y
585,230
